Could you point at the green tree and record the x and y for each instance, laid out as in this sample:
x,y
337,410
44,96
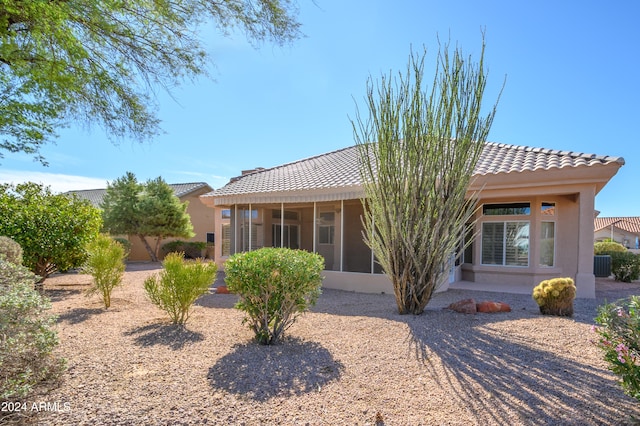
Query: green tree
x,y
100,62
417,172
146,210
52,229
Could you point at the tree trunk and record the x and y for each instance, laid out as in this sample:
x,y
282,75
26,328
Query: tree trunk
x,y
152,254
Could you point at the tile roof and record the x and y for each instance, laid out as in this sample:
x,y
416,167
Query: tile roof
x,y
95,196
340,169
629,224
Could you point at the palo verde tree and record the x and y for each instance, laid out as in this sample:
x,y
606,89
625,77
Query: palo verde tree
x,y
418,150
101,62
147,210
52,229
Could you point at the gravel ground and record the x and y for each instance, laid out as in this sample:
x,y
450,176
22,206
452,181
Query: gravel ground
x,y
352,360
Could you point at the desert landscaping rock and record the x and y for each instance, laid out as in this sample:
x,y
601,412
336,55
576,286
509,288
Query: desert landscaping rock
x,y
465,306
353,360
490,307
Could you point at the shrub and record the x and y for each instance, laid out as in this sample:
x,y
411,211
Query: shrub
x,y
105,263
191,249
625,266
274,285
26,335
619,338
11,250
608,247
178,286
125,243
555,296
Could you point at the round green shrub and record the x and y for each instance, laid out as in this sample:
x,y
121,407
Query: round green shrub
x,y
11,250
625,266
274,285
608,247
555,296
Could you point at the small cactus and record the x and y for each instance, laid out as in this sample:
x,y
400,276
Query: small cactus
x,y
555,296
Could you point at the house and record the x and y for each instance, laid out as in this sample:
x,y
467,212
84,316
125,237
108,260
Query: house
x,y
201,215
535,219
623,230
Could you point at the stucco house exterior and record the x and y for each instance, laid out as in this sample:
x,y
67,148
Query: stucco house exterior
x,y
201,215
535,218
623,230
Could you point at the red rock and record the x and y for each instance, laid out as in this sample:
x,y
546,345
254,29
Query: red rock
x,y
490,307
222,289
466,306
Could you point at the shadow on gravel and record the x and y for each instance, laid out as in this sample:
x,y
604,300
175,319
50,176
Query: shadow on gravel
x,y
506,379
78,315
218,301
293,367
56,295
173,336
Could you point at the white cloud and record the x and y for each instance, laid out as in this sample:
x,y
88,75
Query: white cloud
x,y
57,181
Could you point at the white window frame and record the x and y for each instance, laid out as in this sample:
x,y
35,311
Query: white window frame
x,y
504,245
555,229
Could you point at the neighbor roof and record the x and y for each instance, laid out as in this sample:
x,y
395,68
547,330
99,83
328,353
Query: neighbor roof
x,y
339,170
95,196
629,224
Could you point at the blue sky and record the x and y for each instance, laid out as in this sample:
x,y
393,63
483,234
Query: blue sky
x,y
571,84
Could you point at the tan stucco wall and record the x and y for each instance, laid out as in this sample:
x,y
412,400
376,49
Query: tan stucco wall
x,y
573,251
618,235
202,219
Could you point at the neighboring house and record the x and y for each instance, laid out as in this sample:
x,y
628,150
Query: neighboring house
x,y
535,219
623,230
201,215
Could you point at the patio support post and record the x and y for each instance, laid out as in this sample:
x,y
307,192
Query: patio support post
x,y
235,229
585,280
373,257
250,226
315,212
341,233
281,225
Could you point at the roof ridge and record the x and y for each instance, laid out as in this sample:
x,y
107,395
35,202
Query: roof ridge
x,y
260,170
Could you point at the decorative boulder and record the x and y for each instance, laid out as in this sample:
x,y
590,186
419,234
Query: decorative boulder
x,y
222,289
466,306
491,307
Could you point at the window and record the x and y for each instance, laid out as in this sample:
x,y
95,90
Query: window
x,y
505,243
548,209
211,238
226,214
226,240
289,233
326,234
244,214
326,228
547,243
288,214
511,209
257,237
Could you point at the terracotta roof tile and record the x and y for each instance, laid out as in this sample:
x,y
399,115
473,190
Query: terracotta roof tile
x,y
630,224
340,169
95,196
